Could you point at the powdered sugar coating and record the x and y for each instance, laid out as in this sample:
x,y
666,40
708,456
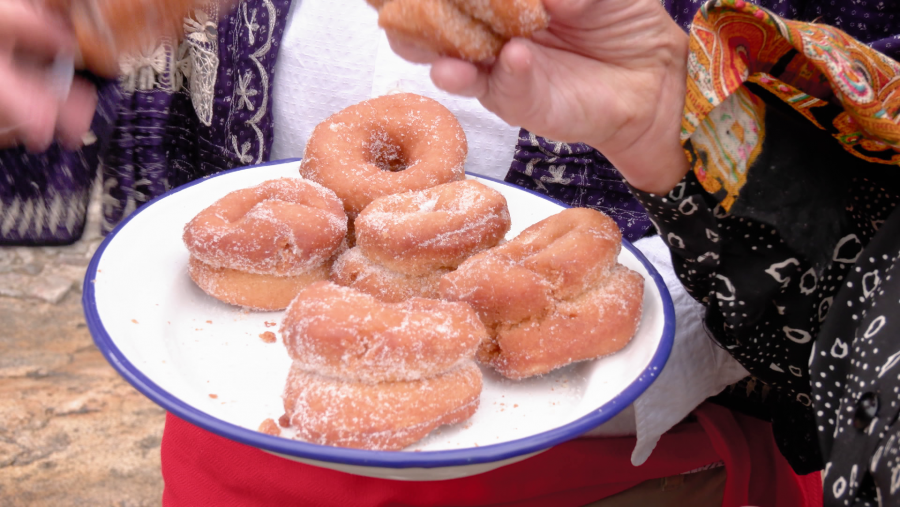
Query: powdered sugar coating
x,y
596,323
416,233
473,30
343,333
283,227
389,144
380,416
440,26
252,290
509,18
551,296
354,269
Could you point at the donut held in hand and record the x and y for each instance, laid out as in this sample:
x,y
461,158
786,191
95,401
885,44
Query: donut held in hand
x,y
386,145
552,296
258,247
473,30
406,242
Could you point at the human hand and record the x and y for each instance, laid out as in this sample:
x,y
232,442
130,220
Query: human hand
x,y
31,112
609,73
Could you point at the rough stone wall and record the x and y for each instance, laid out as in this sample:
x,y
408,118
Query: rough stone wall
x,y
72,432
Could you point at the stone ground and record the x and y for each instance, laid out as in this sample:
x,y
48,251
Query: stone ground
x,y
72,431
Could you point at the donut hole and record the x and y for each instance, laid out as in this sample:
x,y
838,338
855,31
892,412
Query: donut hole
x,y
385,152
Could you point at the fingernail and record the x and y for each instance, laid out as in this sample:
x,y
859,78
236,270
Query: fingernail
x,y
60,76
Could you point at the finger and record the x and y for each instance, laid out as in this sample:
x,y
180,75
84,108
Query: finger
x,y
459,77
411,52
513,82
34,30
76,114
38,129
28,109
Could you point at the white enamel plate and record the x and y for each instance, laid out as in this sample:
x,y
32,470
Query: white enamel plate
x,y
205,361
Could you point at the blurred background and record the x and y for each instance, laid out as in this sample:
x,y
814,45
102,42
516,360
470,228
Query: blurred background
x,y
72,431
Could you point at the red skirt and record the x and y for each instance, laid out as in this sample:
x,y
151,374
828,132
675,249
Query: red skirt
x,y
201,468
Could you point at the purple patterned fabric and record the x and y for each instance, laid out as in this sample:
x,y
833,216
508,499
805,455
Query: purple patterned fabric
x,y
161,141
150,137
581,176
578,175
44,197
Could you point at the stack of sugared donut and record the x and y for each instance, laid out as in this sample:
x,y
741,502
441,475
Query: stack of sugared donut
x,y
374,375
552,296
406,242
258,247
385,352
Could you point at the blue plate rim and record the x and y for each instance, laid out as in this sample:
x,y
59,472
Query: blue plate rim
x,y
365,458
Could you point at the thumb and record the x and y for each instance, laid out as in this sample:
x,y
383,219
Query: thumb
x,y
76,113
509,87
27,110
515,86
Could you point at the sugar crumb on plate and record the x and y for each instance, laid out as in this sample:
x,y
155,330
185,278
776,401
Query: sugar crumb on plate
x,y
269,427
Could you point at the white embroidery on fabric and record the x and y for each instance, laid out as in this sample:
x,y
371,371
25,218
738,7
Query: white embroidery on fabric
x,y
181,67
29,217
145,69
251,24
262,105
201,38
245,92
557,175
242,152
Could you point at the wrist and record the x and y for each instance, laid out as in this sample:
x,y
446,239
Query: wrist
x,y
655,162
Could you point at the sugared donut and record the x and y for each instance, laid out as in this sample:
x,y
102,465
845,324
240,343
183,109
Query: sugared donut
x,y
382,146
472,30
406,242
509,18
257,247
353,269
551,296
418,232
383,416
439,26
594,324
340,332
252,290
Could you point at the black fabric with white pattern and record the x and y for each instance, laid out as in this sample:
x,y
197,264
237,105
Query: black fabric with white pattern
x,y
766,304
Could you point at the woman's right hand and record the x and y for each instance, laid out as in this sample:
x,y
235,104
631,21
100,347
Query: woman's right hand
x,y
31,112
609,73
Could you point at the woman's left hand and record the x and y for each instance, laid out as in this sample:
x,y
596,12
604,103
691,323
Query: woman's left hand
x,y
31,112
